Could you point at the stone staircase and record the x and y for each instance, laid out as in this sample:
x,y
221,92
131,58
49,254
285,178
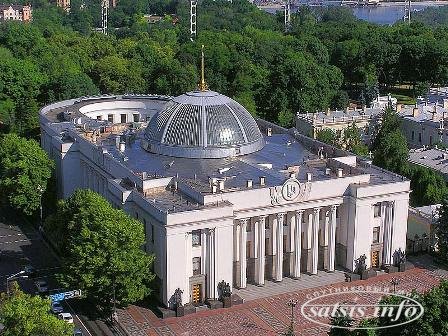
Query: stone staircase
x,y
252,292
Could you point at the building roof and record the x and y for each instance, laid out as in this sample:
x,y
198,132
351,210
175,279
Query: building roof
x,y
203,124
340,116
433,158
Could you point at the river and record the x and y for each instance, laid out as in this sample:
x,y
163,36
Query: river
x,y
385,14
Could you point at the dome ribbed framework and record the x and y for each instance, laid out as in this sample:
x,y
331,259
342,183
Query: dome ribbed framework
x,y
203,124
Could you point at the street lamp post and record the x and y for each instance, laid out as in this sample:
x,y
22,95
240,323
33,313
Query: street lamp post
x,y
394,282
292,303
11,277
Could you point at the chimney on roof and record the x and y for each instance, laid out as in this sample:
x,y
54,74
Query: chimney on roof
x,y
262,180
415,112
249,184
309,177
328,112
340,172
445,103
214,189
269,131
327,171
434,113
221,185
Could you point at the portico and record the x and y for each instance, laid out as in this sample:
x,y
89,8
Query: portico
x,y
282,243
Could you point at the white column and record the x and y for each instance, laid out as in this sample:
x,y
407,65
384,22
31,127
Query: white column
x,y
279,255
315,241
297,254
243,258
332,239
261,250
211,274
188,266
204,260
388,227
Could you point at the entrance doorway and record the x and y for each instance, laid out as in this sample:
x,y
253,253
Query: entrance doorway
x,y
375,259
196,294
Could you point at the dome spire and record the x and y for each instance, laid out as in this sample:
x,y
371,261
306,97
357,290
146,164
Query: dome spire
x,y
202,85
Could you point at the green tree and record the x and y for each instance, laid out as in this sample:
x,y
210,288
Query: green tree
x,y
27,315
24,172
343,321
428,186
101,249
327,136
442,231
390,146
352,141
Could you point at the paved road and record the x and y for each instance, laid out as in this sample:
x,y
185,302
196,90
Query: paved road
x,y
21,244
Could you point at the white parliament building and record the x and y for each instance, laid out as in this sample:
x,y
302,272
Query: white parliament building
x,y
223,196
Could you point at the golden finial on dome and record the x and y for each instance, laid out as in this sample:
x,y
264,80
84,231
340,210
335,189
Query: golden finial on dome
x,y
202,84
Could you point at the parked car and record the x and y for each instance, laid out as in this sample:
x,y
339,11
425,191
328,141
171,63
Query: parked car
x,y
30,271
67,317
56,308
42,286
78,332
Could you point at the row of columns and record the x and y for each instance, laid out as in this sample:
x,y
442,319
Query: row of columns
x,y
295,243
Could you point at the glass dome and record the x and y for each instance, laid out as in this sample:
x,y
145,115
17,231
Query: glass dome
x,y
203,124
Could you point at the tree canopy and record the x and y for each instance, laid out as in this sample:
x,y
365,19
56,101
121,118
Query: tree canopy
x,y
29,315
102,249
24,172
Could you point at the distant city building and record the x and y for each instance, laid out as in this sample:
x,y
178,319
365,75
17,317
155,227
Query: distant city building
x,y
425,124
64,4
433,158
15,12
310,124
366,119
382,102
422,222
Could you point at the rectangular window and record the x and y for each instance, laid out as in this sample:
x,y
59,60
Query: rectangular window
x,y
123,118
136,117
196,238
430,140
99,117
377,210
412,135
376,234
196,265
419,137
110,118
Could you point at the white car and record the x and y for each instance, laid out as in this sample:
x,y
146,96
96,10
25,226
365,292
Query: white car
x,y
42,286
67,317
56,308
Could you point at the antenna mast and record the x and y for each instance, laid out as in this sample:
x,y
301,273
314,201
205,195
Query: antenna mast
x,y
287,7
193,33
104,15
407,12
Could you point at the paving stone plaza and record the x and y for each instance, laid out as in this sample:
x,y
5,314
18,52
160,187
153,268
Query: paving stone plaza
x,y
268,315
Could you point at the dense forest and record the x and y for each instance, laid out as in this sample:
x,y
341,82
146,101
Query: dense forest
x,y
327,57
